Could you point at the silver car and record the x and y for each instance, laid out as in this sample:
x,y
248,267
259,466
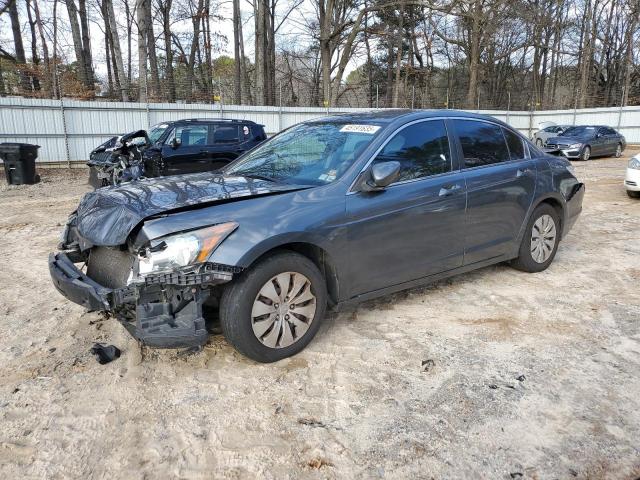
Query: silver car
x,y
541,136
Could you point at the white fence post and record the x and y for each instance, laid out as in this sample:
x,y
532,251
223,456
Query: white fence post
x,y
64,133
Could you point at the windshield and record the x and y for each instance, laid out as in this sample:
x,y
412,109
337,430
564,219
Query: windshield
x,y
579,132
156,132
307,154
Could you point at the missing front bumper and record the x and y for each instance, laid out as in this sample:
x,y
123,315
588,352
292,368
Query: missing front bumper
x,y
163,311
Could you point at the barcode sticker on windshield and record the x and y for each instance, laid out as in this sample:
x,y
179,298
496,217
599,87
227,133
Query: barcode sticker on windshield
x,y
369,129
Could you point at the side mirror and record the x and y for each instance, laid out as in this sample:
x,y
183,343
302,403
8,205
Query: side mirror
x,y
382,175
175,143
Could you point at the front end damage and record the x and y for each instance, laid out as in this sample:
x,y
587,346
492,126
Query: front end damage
x,y
162,309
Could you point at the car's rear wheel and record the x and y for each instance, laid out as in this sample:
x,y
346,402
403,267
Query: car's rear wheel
x,y
586,153
540,242
274,309
618,153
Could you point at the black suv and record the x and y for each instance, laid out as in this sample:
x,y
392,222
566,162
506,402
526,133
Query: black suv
x,y
198,145
172,148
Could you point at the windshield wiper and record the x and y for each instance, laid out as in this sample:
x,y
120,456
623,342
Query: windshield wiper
x,y
255,176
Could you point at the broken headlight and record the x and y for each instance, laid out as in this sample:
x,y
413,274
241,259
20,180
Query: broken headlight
x,y
182,249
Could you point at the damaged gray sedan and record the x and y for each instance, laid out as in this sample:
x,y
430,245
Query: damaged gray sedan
x,y
326,214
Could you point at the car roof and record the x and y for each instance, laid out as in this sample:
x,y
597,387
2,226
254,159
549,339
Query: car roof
x,y
391,115
215,120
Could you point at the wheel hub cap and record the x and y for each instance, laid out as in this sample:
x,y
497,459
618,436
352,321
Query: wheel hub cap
x,y
283,310
543,238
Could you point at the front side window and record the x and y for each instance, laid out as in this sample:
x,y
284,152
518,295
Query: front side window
x,y
515,144
422,149
482,143
190,135
314,153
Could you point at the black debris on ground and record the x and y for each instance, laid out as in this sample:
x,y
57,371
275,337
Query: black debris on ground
x,y
105,353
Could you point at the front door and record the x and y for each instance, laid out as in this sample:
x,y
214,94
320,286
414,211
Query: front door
x,y
415,227
190,152
500,179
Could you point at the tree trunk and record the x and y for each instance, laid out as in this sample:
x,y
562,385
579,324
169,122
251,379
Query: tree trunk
x,y
118,69
260,51
474,56
45,50
238,60
165,10
17,42
396,87
72,11
141,10
153,58
86,45
107,55
34,46
194,48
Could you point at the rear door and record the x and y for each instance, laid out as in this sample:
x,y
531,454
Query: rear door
x,y
612,140
191,153
500,179
415,227
224,144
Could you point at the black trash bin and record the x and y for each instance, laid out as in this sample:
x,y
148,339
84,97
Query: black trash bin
x,y
20,163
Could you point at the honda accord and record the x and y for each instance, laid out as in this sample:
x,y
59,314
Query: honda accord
x,y
326,214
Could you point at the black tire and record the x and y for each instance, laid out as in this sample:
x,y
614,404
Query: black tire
x,y
633,194
586,153
618,152
539,142
525,261
238,297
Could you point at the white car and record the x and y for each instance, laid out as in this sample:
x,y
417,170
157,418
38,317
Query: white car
x,y
632,178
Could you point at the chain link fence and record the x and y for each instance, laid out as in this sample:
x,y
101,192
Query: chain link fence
x,y
298,90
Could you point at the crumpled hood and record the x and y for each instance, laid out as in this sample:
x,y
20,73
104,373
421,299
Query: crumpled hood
x,y
107,216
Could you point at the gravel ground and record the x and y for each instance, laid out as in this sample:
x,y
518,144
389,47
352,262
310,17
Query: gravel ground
x,y
493,374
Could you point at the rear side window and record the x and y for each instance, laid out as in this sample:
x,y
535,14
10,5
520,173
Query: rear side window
x,y
226,134
482,143
422,150
514,142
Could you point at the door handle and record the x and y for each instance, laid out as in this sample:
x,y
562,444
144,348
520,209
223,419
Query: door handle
x,y
523,171
447,190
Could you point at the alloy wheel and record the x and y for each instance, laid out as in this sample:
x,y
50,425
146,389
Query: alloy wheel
x,y
618,151
283,310
543,238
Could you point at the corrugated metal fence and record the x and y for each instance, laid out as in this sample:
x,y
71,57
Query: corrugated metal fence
x,y
68,130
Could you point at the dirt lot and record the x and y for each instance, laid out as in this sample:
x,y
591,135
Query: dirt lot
x,y
422,384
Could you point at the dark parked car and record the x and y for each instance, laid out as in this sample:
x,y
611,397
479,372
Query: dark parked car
x,y
172,148
587,141
328,213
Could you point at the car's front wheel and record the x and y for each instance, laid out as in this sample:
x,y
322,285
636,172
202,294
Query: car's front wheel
x,y
586,153
633,194
540,242
274,309
538,142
